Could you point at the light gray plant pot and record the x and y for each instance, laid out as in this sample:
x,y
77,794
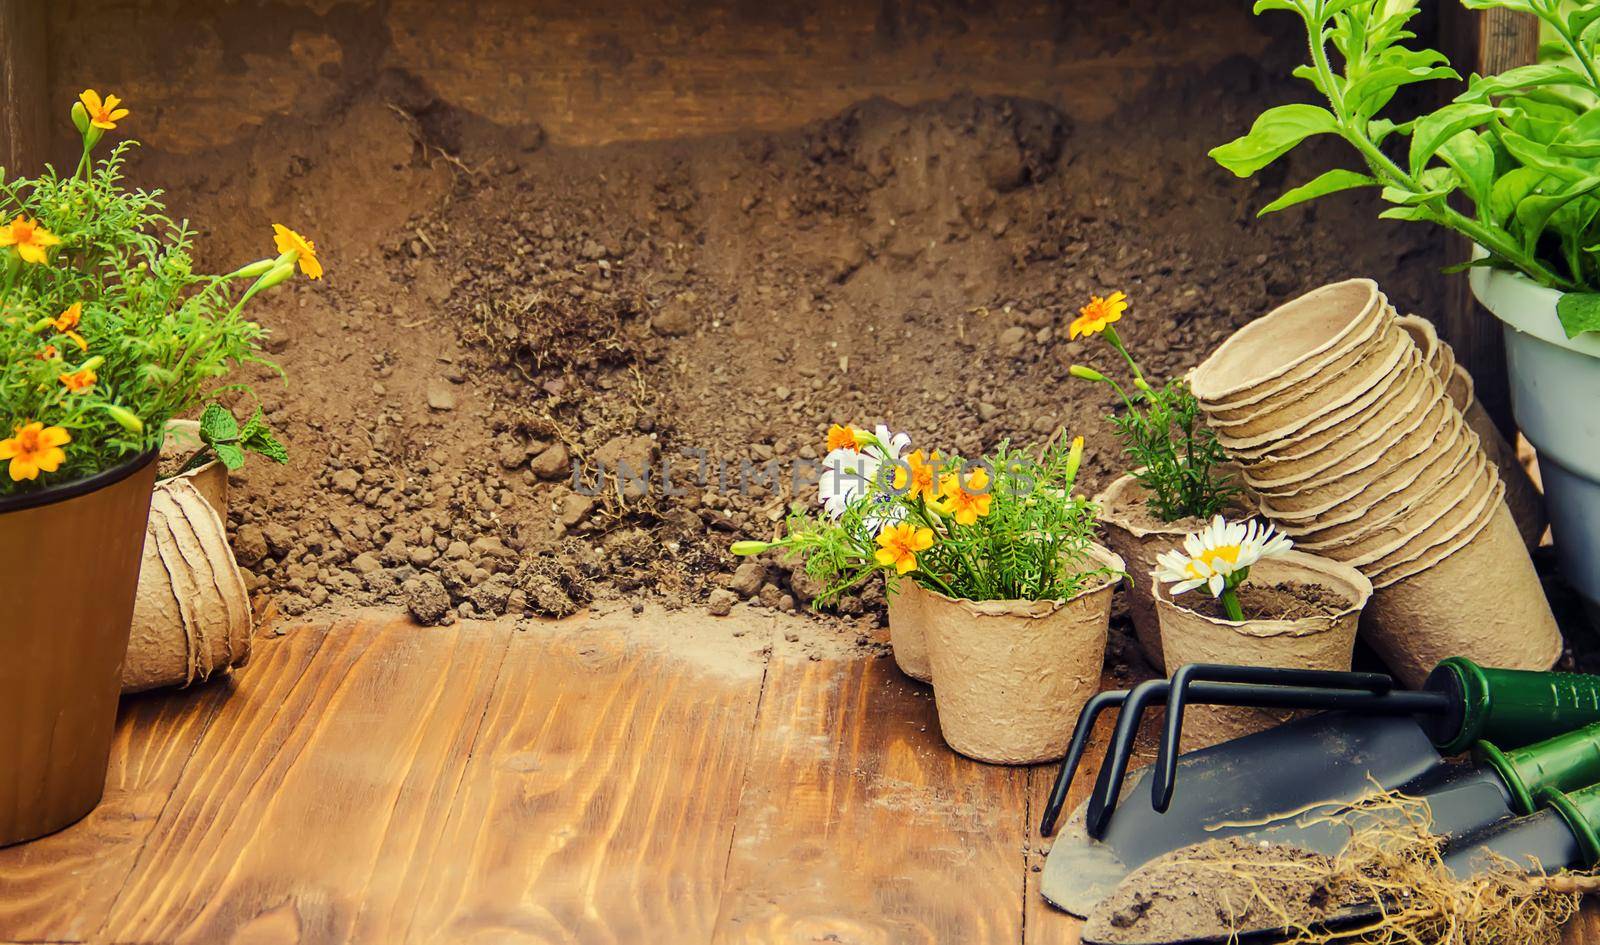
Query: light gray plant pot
x,y
1555,395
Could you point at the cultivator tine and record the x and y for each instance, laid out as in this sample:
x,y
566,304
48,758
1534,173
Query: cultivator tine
x,y
1209,684
1103,800
1097,704
1166,766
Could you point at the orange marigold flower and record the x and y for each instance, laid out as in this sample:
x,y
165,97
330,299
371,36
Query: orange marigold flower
x,y
103,115
69,319
917,476
31,240
968,501
1094,317
48,354
288,241
79,381
34,448
843,438
898,546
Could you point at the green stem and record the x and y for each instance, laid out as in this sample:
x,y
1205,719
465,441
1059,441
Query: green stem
x,y
1116,342
1230,604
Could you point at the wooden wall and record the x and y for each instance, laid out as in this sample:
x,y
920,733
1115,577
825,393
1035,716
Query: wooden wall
x,y
24,78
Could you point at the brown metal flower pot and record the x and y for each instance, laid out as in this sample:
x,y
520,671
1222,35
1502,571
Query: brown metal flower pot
x,y
69,566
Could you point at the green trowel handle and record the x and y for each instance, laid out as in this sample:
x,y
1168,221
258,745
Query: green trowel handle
x,y
1581,811
1510,707
1562,763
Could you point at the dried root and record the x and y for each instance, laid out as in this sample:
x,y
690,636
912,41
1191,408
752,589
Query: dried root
x,y
1233,886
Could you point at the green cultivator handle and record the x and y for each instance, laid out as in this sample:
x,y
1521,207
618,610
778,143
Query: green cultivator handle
x,y
1567,761
1508,706
1581,811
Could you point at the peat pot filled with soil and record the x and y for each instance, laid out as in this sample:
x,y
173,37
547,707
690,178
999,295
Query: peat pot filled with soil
x,y
1010,676
1137,535
1301,611
69,566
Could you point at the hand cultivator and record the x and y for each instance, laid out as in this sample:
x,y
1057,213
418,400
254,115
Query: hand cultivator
x,y
1532,791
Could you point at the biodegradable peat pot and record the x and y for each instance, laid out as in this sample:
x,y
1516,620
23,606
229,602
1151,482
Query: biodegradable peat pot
x,y
192,616
1010,676
1314,334
908,635
211,479
1136,536
69,565
1321,639
1555,383
1483,602
1523,497
1317,397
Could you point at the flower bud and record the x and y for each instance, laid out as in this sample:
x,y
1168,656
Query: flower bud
x,y
747,548
1142,384
80,118
1074,457
280,272
126,418
1085,373
256,269
93,363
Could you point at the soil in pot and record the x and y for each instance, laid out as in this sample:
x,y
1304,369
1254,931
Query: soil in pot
x,y
1301,611
1285,600
1011,676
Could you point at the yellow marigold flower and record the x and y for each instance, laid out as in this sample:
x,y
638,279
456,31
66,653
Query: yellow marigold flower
x,y
843,438
288,241
79,381
67,323
103,115
966,502
917,476
35,448
1094,317
898,546
32,241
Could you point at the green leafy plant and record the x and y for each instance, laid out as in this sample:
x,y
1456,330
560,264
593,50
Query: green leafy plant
x,y
106,330
1006,527
1513,163
1175,456
222,438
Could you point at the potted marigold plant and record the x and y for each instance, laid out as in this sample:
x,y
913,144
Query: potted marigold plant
x,y
1176,481
1300,611
1012,592
1513,164
107,334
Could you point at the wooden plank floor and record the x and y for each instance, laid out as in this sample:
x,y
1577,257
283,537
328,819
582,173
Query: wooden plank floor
x,y
371,781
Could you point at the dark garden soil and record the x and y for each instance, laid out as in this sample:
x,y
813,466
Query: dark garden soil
x,y
500,307
1285,600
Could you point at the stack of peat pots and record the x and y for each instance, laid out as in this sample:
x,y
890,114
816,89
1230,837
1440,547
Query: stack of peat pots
x,y
1344,428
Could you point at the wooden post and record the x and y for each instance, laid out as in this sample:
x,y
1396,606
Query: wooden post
x,y
1483,42
24,93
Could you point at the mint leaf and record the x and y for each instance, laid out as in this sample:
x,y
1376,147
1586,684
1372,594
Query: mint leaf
x,y
230,455
1579,312
216,423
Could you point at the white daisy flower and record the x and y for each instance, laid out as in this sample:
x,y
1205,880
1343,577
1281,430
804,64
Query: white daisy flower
x,y
891,446
846,476
1219,556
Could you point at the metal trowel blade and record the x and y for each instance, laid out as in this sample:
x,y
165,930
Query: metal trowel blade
x,y
1238,787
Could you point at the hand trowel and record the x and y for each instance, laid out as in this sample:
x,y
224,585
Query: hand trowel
x,y
1260,782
